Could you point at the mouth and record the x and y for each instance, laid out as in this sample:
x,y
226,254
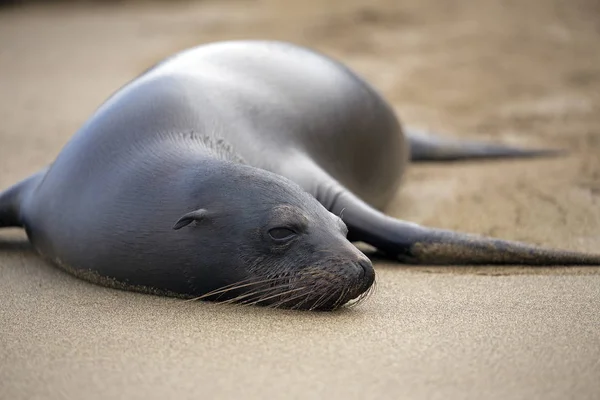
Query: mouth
x,y
321,290
315,289
341,299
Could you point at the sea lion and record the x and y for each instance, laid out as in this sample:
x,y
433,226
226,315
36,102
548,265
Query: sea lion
x,y
224,172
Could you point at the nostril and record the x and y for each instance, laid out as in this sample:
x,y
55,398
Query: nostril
x,y
365,268
361,270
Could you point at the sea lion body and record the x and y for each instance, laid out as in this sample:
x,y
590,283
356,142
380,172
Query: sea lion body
x,y
272,102
131,170
239,133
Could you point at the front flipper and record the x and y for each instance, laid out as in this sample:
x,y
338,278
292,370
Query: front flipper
x,y
414,244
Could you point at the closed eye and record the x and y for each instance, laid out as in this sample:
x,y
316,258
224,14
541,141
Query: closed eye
x,y
281,234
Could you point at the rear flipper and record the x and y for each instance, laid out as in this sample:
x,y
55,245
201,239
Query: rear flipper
x,y
414,244
428,147
12,199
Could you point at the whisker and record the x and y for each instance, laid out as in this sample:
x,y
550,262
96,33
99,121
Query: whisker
x,y
221,289
288,299
298,305
233,286
252,300
326,300
360,298
243,296
363,297
341,296
374,286
276,295
316,303
318,273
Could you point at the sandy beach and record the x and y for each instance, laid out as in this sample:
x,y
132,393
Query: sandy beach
x,y
522,73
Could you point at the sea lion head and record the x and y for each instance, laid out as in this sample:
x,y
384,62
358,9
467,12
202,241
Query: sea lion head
x,y
266,241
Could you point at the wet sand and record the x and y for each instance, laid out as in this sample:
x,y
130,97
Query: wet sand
x,y
524,73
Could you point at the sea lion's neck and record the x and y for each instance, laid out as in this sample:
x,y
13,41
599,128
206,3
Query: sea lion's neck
x,y
211,145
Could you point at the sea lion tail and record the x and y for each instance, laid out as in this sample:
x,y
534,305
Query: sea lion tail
x,y
428,147
12,198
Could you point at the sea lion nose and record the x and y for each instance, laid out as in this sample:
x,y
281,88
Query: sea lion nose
x,y
366,270
364,277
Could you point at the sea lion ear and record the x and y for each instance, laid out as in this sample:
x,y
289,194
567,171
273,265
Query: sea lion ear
x,y
186,219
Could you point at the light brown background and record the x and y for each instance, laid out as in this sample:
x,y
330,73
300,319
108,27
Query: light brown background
x,y
522,72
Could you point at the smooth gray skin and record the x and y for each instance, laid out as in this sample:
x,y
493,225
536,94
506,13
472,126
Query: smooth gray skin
x,y
247,135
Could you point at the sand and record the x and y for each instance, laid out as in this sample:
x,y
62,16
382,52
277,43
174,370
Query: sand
x,y
525,73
